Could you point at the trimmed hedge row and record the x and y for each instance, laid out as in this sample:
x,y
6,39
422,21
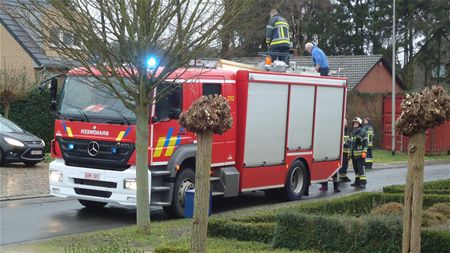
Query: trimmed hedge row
x,y
243,231
346,216
347,234
33,114
434,187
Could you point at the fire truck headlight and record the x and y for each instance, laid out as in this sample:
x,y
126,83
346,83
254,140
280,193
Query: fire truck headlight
x,y
129,184
56,176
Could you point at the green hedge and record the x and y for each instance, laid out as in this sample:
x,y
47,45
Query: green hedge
x,y
297,231
346,217
243,231
33,114
434,187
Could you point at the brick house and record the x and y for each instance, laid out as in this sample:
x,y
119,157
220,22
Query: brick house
x,y
21,49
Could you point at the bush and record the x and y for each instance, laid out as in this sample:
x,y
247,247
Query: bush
x,y
244,231
434,187
171,249
443,208
392,208
32,114
337,233
349,234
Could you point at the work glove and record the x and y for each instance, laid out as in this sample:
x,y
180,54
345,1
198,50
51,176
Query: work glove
x,y
363,155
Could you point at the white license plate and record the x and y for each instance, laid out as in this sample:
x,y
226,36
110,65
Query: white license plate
x,y
36,152
92,176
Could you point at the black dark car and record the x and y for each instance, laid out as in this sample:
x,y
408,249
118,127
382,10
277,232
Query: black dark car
x,y
18,145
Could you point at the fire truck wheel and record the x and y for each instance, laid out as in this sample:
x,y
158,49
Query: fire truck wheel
x,y
92,204
184,181
296,181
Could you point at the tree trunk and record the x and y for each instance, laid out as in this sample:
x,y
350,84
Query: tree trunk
x,y
202,195
412,217
142,193
6,105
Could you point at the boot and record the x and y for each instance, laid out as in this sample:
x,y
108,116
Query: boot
x,y
324,187
344,179
336,186
356,183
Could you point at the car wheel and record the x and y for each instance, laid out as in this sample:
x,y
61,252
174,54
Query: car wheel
x,y
183,182
30,164
92,204
296,181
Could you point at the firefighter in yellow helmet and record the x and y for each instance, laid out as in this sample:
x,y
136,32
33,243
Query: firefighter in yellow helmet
x,y
358,140
370,134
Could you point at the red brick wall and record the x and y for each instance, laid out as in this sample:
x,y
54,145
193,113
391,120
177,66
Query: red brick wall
x,y
378,80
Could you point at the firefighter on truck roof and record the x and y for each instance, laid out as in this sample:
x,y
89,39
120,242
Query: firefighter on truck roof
x,y
358,140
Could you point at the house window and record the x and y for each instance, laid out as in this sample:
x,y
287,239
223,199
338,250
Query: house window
x,y
439,71
57,37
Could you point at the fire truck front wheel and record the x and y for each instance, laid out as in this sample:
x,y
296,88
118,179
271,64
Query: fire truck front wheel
x,y
92,204
296,181
183,182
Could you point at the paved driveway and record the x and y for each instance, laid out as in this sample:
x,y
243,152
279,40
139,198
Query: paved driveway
x,y
19,181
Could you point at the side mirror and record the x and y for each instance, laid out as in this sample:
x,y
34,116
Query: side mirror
x,y
53,95
175,113
154,119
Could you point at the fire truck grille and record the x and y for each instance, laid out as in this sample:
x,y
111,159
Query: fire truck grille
x,y
95,183
99,155
95,193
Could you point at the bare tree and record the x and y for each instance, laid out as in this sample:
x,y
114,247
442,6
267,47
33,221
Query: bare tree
x,y
14,85
117,37
207,115
422,110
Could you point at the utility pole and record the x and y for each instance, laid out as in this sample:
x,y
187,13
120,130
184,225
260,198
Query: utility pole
x,y
393,78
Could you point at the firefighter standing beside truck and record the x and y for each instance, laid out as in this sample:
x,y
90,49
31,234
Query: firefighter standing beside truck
x,y
358,140
345,154
277,36
370,134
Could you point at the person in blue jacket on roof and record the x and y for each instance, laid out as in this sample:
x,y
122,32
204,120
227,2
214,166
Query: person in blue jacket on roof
x,y
319,58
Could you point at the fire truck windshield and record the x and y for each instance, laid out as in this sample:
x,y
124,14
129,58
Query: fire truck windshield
x,y
83,98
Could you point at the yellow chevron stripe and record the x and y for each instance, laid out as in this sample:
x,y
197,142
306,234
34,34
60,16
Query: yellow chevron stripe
x,y
159,147
120,136
69,131
171,146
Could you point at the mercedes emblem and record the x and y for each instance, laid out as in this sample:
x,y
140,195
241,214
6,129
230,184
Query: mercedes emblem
x,y
93,148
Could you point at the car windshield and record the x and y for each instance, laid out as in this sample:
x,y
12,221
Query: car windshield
x,y
7,126
85,98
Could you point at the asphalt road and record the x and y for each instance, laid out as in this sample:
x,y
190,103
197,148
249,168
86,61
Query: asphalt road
x,y
42,218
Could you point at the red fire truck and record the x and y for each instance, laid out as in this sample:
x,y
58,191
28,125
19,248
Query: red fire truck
x,y
287,134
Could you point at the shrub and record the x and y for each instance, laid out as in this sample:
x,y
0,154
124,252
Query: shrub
x,y
430,218
171,249
336,233
244,231
443,208
433,187
32,114
391,208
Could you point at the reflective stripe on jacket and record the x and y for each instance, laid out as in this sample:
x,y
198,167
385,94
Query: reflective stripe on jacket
x,y
370,134
277,31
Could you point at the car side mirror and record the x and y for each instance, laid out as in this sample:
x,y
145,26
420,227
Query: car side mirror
x,y
175,113
154,119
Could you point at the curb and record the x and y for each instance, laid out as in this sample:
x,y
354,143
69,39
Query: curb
x,y
7,198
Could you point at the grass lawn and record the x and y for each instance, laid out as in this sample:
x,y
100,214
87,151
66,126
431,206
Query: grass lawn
x,y
126,239
385,156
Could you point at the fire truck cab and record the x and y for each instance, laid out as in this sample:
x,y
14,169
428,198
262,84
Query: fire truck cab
x,y
287,133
